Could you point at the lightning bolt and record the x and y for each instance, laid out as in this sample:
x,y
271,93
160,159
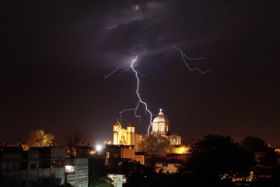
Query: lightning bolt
x,y
140,100
185,60
111,73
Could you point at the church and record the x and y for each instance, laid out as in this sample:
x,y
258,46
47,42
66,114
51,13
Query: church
x,y
128,136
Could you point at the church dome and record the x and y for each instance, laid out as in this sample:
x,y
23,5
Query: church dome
x,y
160,118
160,124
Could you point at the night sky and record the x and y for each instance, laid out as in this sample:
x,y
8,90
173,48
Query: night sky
x,y
54,55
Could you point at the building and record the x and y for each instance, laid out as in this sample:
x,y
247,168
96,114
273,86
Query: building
x,y
127,146
128,135
122,136
22,167
161,126
167,167
123,152
78,174
26,166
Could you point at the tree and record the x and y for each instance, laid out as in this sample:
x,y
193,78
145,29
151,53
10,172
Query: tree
x,y
38,138
263,154
215,155
74,140
253,144
77,138
155,144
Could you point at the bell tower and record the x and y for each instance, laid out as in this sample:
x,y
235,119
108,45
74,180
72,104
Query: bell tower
x,y
116,129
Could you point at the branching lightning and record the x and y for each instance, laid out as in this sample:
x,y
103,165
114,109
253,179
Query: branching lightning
x,y
185,60
111,73
131,109
123,71
140,100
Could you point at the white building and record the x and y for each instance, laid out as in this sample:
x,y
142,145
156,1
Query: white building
x,y
161,126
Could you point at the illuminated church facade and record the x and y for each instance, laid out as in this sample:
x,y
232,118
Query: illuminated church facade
x,y
128,135
125,136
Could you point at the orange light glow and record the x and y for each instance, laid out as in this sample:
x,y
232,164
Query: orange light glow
x,y
181,150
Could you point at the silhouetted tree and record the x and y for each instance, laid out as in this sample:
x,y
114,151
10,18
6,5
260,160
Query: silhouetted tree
x,y
215,155
76,139
155,144
253,144
265,156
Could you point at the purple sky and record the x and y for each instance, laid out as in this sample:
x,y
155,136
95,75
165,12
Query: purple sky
x,y
54,55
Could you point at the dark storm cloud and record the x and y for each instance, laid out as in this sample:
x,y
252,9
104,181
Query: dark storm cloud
x,y
132,31
162,24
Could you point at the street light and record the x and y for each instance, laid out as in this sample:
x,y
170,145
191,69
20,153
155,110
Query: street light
x,y
98,148
67,170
